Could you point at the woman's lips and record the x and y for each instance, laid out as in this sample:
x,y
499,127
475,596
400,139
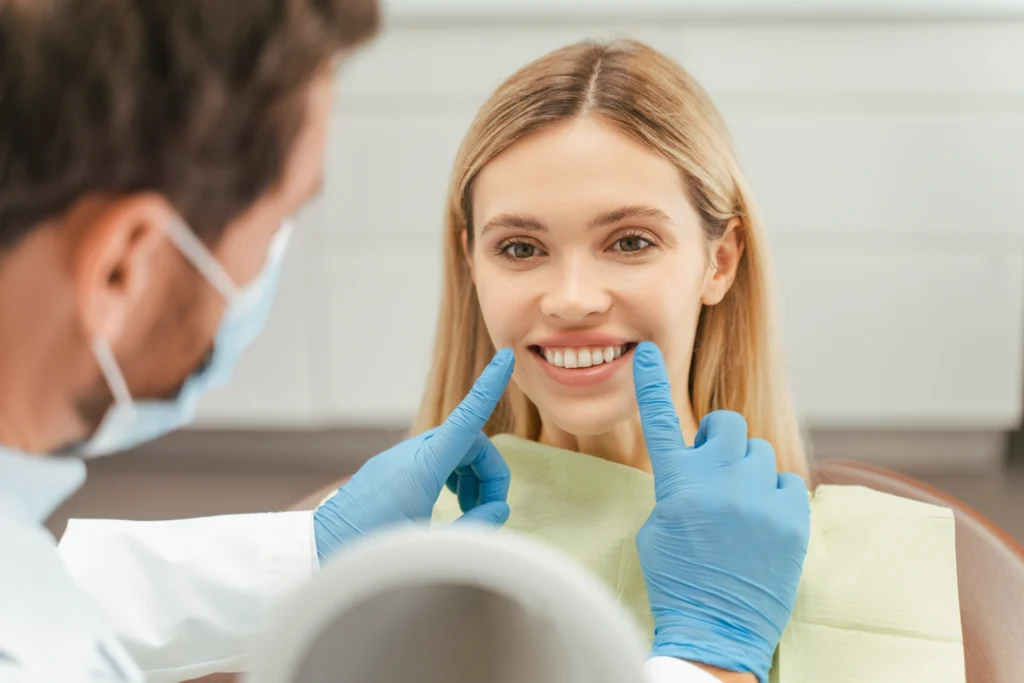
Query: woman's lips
x,y
582,376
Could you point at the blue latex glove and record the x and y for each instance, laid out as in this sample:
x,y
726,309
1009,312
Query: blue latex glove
x,y
723,550
402,484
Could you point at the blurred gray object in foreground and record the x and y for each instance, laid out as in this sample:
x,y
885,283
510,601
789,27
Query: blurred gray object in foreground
x,y
454,605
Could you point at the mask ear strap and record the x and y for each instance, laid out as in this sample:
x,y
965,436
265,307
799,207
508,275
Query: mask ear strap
x,y
111,372
199,256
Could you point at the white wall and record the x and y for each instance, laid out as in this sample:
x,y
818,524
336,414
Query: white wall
x,y
886,154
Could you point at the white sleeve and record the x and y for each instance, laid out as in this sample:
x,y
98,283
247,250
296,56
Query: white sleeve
x,y
188,597
672,670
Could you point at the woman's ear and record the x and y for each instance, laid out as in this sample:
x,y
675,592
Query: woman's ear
x,y
726,253
467,254
113,261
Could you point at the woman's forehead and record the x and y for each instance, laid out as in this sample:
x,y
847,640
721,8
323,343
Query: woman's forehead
x,y
583,168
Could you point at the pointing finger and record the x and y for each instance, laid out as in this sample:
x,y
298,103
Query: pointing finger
x,y
453,439
662,432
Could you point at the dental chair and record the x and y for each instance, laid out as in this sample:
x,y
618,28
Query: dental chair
x,y
990,571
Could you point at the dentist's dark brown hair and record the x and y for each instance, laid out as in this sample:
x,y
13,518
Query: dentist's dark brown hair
x,y
196,100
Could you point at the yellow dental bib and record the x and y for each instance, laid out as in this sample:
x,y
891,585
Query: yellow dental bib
x,y
878,597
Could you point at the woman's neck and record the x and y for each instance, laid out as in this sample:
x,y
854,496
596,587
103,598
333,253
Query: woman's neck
x,y
623,443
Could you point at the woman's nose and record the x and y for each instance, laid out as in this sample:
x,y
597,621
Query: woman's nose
x,y
576,292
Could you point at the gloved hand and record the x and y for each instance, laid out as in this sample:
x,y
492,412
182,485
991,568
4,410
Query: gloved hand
x,y
723,550
402,484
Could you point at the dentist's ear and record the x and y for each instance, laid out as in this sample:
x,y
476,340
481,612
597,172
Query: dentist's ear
x,y
467,253
115,258
726,254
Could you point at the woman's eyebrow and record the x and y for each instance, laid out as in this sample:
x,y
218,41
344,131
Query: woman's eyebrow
x,y
514,220
626,212
521,222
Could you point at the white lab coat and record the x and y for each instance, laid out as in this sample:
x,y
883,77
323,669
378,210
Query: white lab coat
x,y
190,597
48,629
153,601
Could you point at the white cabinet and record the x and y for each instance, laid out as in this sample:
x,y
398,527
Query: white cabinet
x,y
886,156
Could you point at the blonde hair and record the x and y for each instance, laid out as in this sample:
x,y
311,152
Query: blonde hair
x,y
736,364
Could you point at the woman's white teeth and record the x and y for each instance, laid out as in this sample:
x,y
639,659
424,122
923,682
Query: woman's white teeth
x,y
582,358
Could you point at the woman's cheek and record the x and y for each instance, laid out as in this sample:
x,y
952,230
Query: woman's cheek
x,y
501,309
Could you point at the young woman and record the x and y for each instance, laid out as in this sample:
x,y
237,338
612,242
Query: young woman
x,y
595,203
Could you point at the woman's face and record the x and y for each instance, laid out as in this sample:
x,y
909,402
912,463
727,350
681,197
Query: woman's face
x,y
586,243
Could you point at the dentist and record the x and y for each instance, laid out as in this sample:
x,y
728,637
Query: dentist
x,y
151,156
152,153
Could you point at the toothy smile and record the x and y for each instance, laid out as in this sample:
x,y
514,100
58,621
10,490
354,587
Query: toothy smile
x,y
580,356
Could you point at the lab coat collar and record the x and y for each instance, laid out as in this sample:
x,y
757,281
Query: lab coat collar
x,y
36,485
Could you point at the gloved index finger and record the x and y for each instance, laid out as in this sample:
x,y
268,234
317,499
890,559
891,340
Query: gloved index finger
x,y
453,439
662,432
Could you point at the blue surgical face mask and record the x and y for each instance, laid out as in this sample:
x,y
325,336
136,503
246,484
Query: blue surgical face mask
x,y
128,422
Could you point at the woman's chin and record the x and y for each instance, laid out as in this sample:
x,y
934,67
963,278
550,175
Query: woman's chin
x,y
583,421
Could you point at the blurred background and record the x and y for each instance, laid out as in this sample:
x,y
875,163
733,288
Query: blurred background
x,y
884,141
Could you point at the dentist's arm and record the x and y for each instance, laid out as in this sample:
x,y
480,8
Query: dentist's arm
x,y
189,597
723,550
